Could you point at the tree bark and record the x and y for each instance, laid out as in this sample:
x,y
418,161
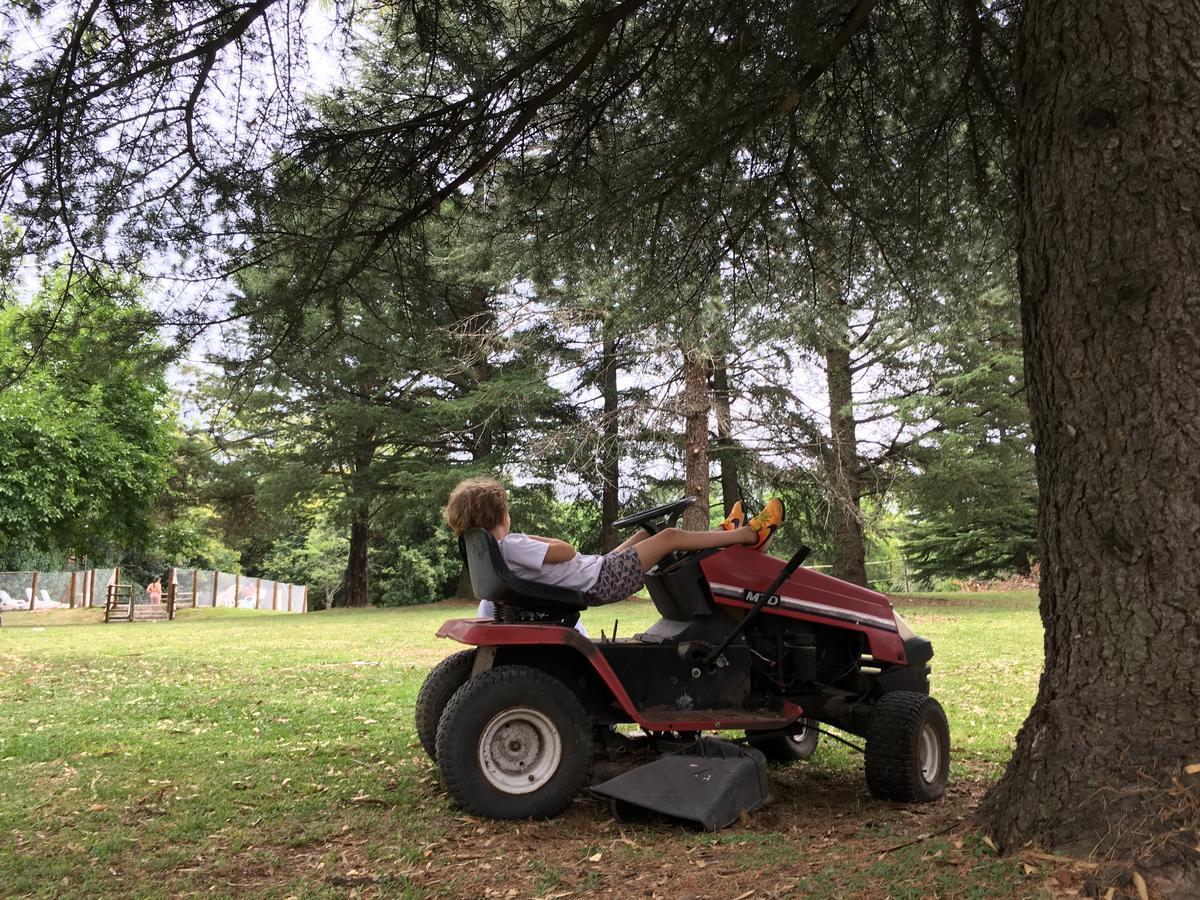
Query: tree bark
x,y
696,406
841,465
1108,187
463,589
356,583
726,447
610,447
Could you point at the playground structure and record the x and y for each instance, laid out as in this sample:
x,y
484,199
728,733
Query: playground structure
x,y
123,600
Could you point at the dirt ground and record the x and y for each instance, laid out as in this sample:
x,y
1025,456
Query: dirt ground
x,y
821,837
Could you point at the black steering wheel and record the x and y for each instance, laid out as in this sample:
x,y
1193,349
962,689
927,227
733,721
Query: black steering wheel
x,y
648,519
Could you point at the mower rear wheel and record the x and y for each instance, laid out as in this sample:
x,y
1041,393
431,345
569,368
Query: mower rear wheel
x,y
908,748
788,748
514,743
441,683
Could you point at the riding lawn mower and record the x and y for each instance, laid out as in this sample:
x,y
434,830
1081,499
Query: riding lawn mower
x,y
747,644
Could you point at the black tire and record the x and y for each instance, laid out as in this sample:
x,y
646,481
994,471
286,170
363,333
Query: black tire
x,y
788,749
514,743
908,748
441,683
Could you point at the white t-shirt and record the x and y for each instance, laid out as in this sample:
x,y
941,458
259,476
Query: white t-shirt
x,y
527,559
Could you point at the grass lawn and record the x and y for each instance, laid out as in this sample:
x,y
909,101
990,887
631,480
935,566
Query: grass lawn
x,y
245,753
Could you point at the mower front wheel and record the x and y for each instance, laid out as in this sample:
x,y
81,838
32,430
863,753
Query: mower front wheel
x,y
908,748
514,743
789,748
443,680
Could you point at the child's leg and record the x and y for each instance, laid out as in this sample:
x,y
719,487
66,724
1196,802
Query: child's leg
x,y
733,521
652,548
636,538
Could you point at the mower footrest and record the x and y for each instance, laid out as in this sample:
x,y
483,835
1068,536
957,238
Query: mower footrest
x,y
659,718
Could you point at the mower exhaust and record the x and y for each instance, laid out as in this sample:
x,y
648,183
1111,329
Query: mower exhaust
x,y
709,783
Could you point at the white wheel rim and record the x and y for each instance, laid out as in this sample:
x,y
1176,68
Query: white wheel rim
x,y
929,750
799,736
519,750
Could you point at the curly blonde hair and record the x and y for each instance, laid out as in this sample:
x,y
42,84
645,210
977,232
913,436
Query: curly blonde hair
x,y
476,503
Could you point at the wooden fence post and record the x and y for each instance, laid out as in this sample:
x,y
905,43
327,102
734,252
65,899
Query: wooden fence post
x,y
275,596
72,590
257,592
216,578
33,591
195,586
289,600
174,576
237,590
304,602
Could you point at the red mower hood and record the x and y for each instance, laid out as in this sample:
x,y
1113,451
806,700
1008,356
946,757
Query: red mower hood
x,y
735,570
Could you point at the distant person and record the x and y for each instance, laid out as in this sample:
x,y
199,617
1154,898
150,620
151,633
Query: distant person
x,y
154,589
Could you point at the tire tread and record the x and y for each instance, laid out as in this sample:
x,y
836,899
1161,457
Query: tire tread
x,y
891,766
440,684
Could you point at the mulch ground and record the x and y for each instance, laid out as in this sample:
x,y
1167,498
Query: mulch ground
x,y
822,836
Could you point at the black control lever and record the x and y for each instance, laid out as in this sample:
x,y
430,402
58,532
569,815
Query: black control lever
x,y
784,574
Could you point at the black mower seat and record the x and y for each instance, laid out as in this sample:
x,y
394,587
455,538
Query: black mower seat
x,y
492,579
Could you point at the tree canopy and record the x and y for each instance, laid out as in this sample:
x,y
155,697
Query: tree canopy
x,y
86,436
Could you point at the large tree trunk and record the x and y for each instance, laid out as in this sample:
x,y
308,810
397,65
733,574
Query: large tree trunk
x,y
726,447
841,465
696,406
463,589
356,582
355,589
1109,188
610,447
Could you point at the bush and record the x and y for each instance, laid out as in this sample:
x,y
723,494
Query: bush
x,y
408,579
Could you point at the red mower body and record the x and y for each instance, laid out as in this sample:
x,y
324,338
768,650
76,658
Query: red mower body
x,y
486,633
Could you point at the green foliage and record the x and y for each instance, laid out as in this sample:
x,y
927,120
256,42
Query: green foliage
x,y
974,499
85,419
372,402
386,353
410,575
313,553
192,539
534,509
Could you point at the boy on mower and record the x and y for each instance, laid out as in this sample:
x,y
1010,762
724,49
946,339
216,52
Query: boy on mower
x,y
483,503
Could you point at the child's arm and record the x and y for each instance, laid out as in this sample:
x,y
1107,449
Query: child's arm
x,y
559,551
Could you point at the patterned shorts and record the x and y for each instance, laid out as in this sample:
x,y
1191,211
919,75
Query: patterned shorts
x,y
620,575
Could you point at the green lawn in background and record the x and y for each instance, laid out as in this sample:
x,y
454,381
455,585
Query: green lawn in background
x,y
219,750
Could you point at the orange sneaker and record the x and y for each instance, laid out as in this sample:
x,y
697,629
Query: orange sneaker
x,y
767,522
736,518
